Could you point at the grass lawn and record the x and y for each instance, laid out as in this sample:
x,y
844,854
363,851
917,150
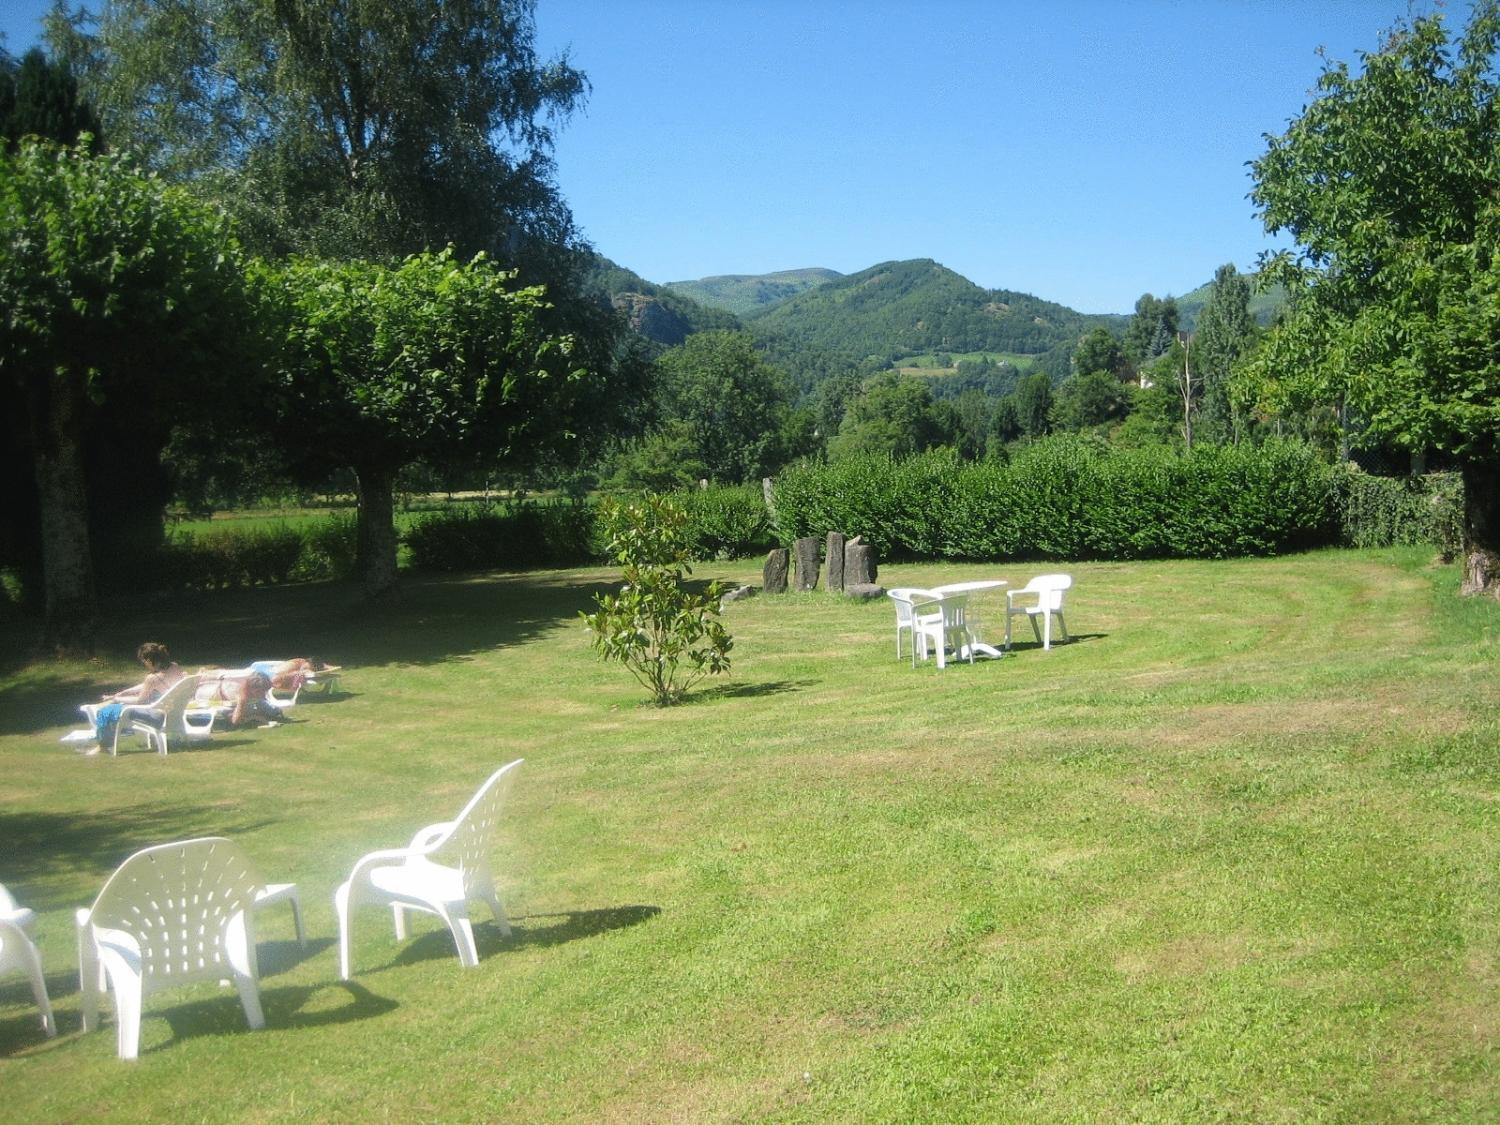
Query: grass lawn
x,y
1235,853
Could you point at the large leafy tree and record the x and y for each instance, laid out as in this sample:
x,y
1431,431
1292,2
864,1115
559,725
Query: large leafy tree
x,y
39,98
342,128
119,296
732,402
431,359
896,415
1151,330
1389,182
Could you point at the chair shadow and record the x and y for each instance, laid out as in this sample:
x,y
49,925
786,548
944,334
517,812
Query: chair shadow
x,y
282,1006
276,957
575,925
1034,645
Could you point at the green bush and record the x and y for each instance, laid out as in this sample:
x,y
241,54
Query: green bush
x,y
229,559
517,536
1070,497
726,522
1394,511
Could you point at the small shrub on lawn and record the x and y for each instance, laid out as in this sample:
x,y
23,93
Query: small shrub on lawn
x,y
666,635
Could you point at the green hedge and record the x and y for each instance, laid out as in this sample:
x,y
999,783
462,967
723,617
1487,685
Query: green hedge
x,y
513,537
1387,511
221,560
1070,498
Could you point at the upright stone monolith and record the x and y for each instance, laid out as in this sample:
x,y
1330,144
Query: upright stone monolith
x,y
833,580
773,576
805,558
859,564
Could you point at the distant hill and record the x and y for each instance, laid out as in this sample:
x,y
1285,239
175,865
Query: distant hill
x,y
1263,306
745,294
899,309
656,312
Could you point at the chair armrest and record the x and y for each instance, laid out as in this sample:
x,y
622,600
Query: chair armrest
x,y
365,863
427,838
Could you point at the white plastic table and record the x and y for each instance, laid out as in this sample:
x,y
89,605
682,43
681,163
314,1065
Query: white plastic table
x,y
972,615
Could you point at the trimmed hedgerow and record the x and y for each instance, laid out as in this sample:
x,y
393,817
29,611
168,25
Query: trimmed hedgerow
x,y
1070,498
517,537
726,522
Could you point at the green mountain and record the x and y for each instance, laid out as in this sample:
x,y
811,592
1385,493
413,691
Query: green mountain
x,y
746,294
656,312
899,309
1263,306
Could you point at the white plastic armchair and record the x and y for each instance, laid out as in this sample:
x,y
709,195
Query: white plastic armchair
x,y
901,597
18,952
941,620
1041,597
170,915
164,720
444,867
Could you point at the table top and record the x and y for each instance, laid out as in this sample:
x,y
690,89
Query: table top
x,y
970,587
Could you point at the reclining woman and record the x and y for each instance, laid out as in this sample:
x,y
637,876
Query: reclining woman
x,y
161,673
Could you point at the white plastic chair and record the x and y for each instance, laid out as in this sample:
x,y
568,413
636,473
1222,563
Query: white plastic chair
x,y
17,951
411,878
164,720
942,621
1047,589
170,915
901,597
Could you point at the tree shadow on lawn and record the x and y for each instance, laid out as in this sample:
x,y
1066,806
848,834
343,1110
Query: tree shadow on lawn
x,y
41,848
434,620
574,925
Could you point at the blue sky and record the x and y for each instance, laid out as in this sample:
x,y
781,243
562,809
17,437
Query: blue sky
x,y
1085,152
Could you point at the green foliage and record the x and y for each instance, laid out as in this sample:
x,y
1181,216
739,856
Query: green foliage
x,y
1226,333
519,536
733,403
892,415
1400,511
337,129
1099,351
1070,498
1033,404
39,98
1387,184
1090,400
1151,330
667,635
726,523
230,559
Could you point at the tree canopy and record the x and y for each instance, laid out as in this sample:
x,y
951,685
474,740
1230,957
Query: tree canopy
x,y
1389,182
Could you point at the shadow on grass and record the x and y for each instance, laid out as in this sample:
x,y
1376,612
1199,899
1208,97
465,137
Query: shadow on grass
x,y
573,925
1034,645
39,849
745,691
436,619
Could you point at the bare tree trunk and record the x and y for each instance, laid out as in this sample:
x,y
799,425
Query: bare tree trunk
x,y
375,541
1481,527
72,612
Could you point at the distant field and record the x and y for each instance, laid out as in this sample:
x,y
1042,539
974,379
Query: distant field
x,y
926,364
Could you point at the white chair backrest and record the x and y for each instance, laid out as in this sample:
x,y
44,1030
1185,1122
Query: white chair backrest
x,y
174,700
902,596
7,902
1049,589
473,832
176,901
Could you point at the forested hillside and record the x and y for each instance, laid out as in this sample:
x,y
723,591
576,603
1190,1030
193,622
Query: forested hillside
x,y
903,308
745,294
654,311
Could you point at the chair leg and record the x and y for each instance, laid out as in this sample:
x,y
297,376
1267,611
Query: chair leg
x,y
39,987
492,900
1046,631
341,910
127,989
1063,625
250,1000
399,913
1035,628
88,973
463,935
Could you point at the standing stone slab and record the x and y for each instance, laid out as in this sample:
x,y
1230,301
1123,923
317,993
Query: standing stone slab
x,y
859,564
773,577
805,552
833,581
